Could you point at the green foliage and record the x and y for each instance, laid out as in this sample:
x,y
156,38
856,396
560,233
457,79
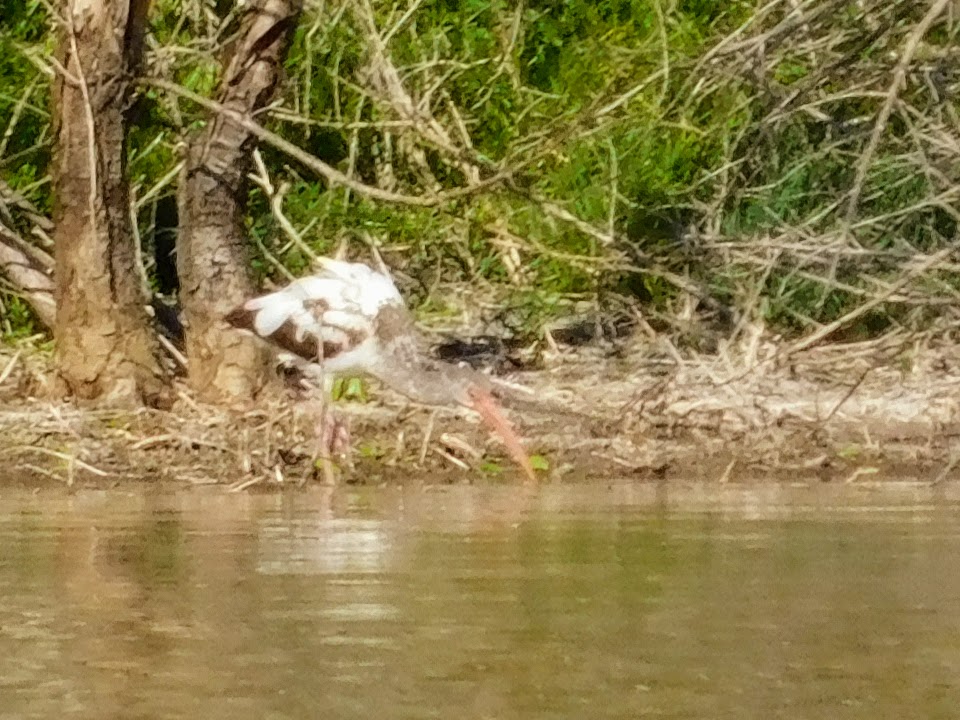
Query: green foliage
x,y
539,462
24,98
349,389
644,119
491,468
18,321
370,450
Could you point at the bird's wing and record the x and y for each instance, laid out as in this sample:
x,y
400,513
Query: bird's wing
x,y
337,307
360,284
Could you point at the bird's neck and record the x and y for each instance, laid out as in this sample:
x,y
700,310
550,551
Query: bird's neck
x,y
402,362
419,381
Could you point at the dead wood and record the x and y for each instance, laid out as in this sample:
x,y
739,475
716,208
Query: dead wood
x,y
823,419
19,263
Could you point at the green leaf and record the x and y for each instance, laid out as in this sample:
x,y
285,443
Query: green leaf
x,y
849,452
349,389
539,462
370,450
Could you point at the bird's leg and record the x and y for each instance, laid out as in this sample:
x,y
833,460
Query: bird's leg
x,y
332,434
324,433
323,452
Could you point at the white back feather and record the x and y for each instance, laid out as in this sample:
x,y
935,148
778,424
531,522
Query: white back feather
x,y
342,298
273,311
359,284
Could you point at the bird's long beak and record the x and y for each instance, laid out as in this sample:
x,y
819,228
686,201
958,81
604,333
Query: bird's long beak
x,y
485,404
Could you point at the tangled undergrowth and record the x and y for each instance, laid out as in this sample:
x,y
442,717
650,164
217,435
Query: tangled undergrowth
x,y
743,215
712,165
866,412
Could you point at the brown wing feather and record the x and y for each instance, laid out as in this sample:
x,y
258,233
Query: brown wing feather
x,y
285,336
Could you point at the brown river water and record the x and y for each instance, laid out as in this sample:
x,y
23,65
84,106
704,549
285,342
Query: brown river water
x,y
612,601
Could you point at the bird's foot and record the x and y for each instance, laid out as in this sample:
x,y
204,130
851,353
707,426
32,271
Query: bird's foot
x,y
333,445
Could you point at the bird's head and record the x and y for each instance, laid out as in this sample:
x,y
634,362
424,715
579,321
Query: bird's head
x,y
448,384
483,402
475,391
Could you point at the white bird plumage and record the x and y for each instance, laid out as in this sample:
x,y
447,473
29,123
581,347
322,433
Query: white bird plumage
x,y
338,307
351,319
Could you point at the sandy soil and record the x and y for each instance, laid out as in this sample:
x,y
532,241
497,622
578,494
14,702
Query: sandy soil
x,y
851,413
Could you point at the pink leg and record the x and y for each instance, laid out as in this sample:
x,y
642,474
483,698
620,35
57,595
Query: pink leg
x,y
333,442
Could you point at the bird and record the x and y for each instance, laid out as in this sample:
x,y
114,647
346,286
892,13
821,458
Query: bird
x,y
348,319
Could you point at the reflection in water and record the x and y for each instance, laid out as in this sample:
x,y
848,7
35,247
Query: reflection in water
x,y
468,603
329,547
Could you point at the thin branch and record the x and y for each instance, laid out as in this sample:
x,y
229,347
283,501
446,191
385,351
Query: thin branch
x,y
899,80
313,163
907,278
31,281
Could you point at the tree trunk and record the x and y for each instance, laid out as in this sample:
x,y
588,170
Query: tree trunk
x,y
212,256
105,347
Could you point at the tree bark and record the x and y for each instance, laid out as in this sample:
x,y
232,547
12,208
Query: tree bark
x,y
105,347
212,252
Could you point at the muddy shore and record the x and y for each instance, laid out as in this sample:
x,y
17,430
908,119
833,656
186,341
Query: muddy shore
x,y
839,414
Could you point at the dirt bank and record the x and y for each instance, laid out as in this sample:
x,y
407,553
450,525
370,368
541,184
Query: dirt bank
x,y
852,413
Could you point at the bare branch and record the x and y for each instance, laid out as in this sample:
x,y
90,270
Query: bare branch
x,y
899,79
31,280
334,176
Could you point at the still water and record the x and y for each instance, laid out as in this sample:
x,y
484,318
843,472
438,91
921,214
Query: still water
x,y
616,601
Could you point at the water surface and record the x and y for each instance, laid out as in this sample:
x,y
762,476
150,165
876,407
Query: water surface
x,y
614,601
